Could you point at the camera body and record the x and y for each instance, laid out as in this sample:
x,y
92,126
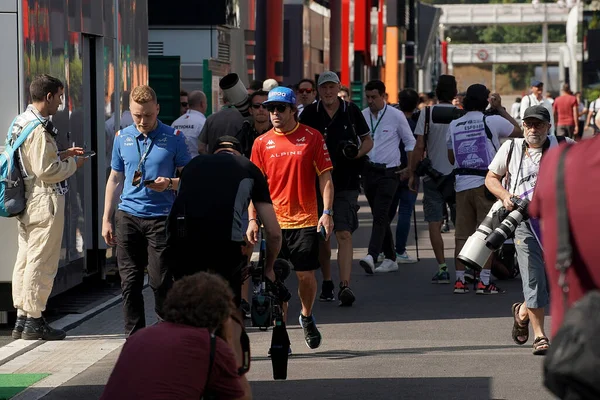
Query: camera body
x,y
348,149
425,168
268,297
497,226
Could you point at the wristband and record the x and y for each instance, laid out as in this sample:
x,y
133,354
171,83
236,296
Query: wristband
x,y
253,219
170,187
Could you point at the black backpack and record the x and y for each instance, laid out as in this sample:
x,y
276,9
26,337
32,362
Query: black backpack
x,y
572,364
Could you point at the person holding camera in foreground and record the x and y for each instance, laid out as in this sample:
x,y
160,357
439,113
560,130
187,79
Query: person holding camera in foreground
x,y
475,140
189,355
518,161
291,156
347,137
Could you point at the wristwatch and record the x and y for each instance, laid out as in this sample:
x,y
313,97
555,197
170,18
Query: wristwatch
x,y
328,212
170,187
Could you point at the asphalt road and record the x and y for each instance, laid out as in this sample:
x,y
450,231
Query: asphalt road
x,y
403,339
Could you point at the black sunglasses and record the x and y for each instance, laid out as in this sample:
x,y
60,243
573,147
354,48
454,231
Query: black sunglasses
x,y
184,104
279,107
259,105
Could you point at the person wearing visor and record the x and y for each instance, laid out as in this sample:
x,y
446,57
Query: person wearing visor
x,y
291,156
518,161
145,159
212,225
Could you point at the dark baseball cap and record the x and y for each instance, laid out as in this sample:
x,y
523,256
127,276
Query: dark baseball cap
x,y
228,142
537,112
477,92
536,83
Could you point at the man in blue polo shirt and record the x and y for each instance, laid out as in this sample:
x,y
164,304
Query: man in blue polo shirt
x,y
145,159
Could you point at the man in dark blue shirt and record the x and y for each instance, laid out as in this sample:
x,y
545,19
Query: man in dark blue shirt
x,y
145,159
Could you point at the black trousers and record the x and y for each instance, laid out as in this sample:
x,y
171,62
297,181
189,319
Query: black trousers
x,y
141,243
380,188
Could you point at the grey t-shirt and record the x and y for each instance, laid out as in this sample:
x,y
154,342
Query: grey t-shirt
x,y
227,122
437,147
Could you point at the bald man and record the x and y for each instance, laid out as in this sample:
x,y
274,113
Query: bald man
x,y
192,121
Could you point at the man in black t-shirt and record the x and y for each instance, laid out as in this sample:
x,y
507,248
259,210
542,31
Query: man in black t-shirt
x,y
205,229
343,126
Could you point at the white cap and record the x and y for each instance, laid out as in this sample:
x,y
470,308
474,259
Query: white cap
x,y
270,84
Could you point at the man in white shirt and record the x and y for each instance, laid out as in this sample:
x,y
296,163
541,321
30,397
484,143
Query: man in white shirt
x,y
591,116
388,127
475,140
535,98
192,121
518,163
432,140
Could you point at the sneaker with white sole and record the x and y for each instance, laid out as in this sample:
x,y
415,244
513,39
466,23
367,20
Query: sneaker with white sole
x,y
404,258
387,266
368,264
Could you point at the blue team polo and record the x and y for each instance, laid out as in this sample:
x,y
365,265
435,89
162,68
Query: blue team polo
x,y
166,151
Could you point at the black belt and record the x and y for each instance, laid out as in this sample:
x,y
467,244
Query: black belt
x,y
471,171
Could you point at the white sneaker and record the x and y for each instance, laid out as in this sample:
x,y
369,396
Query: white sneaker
x,y
387,266
368,264
404,258
380,257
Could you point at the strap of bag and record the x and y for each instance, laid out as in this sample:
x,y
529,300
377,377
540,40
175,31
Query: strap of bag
x,y
27,129
489,133
426,128
564,249
213,350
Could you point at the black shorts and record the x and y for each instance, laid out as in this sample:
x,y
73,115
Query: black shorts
x,y
225,259
345,210
301,248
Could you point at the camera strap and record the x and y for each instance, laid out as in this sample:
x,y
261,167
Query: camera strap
x,y
426,128
488,133
213,351
564,249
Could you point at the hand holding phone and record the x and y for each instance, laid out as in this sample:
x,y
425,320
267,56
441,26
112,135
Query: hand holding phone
x,y
87,154
323,232
148,182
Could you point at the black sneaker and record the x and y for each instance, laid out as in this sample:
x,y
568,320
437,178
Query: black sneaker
x,y
245,307
19,325
346,296
38,328
312,336
327,291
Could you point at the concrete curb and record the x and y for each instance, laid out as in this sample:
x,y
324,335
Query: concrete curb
x,y
67,323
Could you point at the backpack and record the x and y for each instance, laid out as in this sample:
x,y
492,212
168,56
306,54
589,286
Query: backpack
x,y
12,187
572,364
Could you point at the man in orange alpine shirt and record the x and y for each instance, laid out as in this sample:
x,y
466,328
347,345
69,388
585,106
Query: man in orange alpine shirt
x,y
290,156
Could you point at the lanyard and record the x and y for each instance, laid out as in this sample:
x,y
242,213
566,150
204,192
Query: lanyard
x,y
373,129
146,152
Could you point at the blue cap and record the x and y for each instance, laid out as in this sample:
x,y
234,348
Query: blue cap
x,y
281,95
536,83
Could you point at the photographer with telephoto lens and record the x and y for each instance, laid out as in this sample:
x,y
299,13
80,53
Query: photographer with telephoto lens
x,y
517,162
474,139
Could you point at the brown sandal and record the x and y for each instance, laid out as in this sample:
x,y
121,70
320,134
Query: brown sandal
x,y
541,344
520,327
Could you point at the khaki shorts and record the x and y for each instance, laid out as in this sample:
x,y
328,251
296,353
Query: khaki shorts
x,y
471,208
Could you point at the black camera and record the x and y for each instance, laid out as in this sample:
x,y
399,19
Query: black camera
x,y
268,297
425,168
349,149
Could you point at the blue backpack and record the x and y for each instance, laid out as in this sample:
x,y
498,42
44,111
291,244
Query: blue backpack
x,y
12,187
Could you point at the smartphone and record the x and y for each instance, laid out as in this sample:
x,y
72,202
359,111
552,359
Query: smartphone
x,y
323,232
148,182
88,154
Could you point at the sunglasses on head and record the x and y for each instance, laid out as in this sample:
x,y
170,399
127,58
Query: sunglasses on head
x,y
184,104
259,105
279,107
305,90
